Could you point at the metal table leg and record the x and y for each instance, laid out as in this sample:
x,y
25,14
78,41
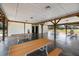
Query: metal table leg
x,y
46,50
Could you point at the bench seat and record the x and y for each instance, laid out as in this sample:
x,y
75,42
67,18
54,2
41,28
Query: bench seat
x,y
55,52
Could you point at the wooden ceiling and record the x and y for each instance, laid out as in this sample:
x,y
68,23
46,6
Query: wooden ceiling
x,y
43,21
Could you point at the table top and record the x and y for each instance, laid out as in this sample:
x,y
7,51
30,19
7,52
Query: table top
x,y
27,47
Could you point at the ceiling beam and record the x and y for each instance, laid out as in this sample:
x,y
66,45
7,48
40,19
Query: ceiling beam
x,y
72,23
19,22
2,15
62,17
70,15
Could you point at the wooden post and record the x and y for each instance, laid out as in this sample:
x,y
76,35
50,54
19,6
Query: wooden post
x,y
55,24
3,29
55,33
66,29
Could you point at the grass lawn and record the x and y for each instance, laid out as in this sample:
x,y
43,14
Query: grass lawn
x,y
68,30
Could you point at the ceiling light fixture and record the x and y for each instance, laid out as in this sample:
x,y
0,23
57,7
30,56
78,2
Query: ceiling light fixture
x,y
31,17
47,7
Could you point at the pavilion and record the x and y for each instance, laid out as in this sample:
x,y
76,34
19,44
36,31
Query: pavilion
x,y
28,28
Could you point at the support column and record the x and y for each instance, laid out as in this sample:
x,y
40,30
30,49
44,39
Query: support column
x,y
54,35
24,28
66,29
42,30
55,22
3,29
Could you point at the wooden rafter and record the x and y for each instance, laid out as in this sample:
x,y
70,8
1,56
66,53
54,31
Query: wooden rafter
x,y
58,20
55,21
19,22
69,23
62,17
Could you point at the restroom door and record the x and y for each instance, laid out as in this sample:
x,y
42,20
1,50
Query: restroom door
x,y
32,29
35,32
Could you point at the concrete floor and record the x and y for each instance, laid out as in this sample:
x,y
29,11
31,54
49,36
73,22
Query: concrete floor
x,y
70,45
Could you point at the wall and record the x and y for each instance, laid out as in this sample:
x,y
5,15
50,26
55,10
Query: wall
x,y
18,28
15,28
39,28
45,28
28,27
